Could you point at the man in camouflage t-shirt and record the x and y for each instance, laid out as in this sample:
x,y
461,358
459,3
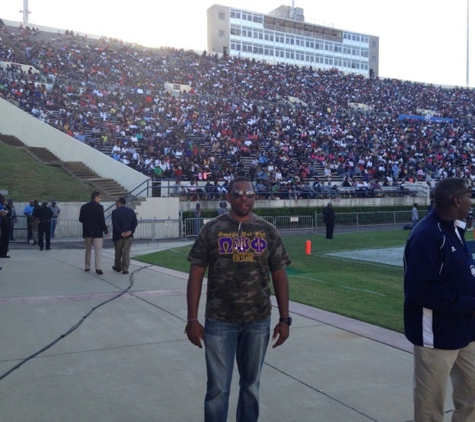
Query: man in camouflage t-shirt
x,y
243,253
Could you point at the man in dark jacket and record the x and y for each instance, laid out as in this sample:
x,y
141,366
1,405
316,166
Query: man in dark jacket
x,y
329,219
94,227
439,306
4,228
124,223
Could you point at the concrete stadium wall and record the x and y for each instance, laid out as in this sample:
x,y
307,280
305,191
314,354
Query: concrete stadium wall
x,y
320,203
35,133
150,209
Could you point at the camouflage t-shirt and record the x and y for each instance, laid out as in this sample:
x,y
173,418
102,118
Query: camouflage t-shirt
x,y
240,262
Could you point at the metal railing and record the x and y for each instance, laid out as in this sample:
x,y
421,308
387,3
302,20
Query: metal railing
x,y
291,224
345,222
156,229
364,221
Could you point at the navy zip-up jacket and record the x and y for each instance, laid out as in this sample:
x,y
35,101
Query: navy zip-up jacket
x,y
439,285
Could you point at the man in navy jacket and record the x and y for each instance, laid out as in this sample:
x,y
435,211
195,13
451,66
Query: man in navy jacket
x,y
439,306
124,223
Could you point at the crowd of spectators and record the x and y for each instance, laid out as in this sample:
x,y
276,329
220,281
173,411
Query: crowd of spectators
x,y
291,129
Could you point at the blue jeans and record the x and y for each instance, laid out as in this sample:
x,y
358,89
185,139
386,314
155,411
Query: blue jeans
x,y
248,343
53,226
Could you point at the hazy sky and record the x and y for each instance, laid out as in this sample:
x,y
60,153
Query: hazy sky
x,y
420,40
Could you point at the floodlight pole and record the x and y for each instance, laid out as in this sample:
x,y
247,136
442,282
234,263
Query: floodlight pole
x,y
468,45
25,11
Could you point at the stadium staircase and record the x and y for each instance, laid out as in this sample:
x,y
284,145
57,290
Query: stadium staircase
x,y
108,187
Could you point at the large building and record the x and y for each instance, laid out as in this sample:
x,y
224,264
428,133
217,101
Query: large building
x,y
284,36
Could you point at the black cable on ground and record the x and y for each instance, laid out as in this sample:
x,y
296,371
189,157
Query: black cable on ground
x,y
74,327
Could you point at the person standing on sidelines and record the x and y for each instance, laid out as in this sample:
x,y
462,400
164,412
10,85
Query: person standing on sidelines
x,y
470,219
243,252
34,223
329,219
91,215
12,219
43,215
197,218
54,219
439,305
28,213
4,228
414,215
124,223
222,208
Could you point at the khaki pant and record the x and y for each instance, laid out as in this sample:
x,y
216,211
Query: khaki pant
x,y
34,230
432,369
97,243
122,253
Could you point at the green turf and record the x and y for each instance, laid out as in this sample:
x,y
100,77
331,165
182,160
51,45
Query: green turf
x,y
25,178
365,291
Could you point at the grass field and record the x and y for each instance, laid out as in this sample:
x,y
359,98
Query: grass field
x,y
25,178
366,291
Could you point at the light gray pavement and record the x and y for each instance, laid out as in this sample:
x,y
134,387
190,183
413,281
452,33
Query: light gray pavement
x,y
129,360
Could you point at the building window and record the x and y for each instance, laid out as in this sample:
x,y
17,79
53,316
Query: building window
x,y
221,16
268,51
269,36
235,30
221,33
235,45
247,47
258,34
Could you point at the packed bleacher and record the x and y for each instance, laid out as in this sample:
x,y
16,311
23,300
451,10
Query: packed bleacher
x,y
294,130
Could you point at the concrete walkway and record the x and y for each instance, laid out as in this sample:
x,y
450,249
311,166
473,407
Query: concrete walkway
x,y
125,358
